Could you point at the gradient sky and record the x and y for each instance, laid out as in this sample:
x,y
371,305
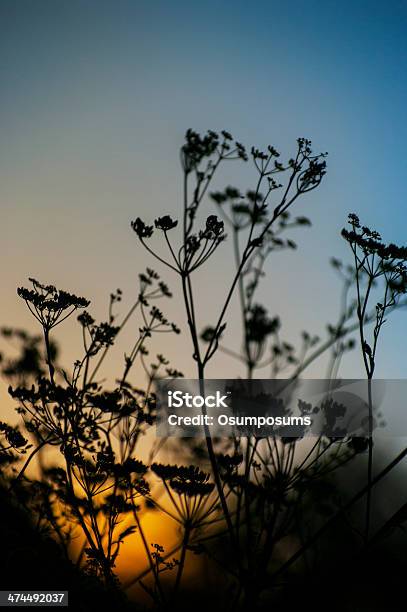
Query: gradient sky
x,y
96,96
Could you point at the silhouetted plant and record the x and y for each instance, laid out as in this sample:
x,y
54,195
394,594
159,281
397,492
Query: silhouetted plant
x,y
98,481
262,226
374,262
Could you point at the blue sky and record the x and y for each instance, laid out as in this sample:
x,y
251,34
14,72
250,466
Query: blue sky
x,y
96,97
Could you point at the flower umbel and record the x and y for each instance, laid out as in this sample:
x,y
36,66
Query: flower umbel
x,y
50,305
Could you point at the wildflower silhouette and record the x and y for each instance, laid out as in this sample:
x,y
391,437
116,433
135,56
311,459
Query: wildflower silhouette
x,y
374,262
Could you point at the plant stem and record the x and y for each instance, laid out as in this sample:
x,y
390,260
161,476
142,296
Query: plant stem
x,y
370,462
181,565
